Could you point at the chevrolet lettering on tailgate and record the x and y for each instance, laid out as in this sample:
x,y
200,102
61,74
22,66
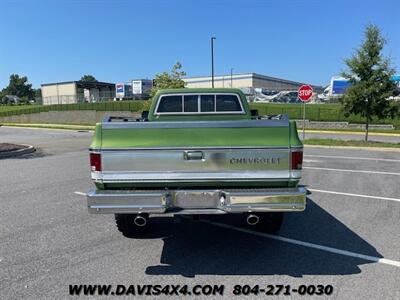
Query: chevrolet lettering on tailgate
x,y
255,160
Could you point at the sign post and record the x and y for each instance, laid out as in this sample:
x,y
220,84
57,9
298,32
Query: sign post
x,y
304,93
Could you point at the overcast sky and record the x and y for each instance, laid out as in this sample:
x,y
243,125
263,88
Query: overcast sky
x,y
116,40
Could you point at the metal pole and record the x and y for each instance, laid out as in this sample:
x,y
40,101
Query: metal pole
x,y
304,121
231,76
212,61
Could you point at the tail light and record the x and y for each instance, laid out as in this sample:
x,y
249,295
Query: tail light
x,y
297,160
95,161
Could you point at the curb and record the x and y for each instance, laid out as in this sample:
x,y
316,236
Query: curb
x,y
86,128
18,152
382,149
350,132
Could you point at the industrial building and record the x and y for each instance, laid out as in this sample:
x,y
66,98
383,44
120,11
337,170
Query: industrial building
x,y
248,81
76,91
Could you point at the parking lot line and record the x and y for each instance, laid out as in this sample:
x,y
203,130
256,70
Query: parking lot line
x,y
355,195
351,157
353,171
80,193
311,161
309,245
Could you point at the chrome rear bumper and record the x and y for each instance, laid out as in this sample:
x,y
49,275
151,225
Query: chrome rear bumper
x,y
196,201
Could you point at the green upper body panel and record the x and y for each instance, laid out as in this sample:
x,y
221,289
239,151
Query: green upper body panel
x,y
198,137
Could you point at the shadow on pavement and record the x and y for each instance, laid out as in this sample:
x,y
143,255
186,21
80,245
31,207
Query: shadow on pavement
x,y
36,154
193,248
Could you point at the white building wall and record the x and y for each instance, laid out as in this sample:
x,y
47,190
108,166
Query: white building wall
x,y
63,93
238,81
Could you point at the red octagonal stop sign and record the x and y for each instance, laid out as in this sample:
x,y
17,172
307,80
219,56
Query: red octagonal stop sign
x,y
305,93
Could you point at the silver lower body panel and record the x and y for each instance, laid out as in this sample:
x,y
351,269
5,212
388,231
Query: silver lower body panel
x,y
196,201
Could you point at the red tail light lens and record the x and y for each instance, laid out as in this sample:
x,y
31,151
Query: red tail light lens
x,y
297,160
95,161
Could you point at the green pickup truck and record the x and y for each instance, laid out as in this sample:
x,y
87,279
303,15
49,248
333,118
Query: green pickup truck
x,y
197,151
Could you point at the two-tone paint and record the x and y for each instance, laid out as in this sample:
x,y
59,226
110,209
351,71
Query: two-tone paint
x,y
211,152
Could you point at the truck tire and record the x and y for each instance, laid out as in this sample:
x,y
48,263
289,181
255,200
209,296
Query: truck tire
x,y
126,225
269,222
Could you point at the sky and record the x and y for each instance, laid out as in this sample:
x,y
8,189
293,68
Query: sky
x,y
121,40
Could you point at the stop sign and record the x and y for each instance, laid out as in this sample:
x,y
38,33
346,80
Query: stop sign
x,y
305,93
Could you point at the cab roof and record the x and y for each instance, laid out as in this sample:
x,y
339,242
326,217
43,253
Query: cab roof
x,y
200,90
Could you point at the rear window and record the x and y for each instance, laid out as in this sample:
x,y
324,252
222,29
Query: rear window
x,y
190,103
170,104
227,103
207,103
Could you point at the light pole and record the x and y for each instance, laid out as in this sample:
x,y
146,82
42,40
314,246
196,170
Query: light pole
x,y
231,77
212,61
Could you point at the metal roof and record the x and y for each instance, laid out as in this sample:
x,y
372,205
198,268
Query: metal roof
x,y
82,83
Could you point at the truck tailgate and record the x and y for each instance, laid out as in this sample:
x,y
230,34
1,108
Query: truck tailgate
x,y
196,152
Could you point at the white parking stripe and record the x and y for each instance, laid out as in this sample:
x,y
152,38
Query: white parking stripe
x,y
311,160
351,157
80,193
309,245
353,171
354,195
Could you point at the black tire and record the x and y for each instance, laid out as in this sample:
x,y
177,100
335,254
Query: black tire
x,y
269,222
126,225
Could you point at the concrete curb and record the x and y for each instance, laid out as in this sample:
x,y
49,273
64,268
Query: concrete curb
x,y
382,149
45,128
50,126
349,132
27,150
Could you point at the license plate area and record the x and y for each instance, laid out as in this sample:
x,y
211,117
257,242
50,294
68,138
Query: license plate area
x,y
196,199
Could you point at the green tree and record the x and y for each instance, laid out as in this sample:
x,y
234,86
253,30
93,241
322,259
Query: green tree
x,y
88,78
19,86
370,77
171,80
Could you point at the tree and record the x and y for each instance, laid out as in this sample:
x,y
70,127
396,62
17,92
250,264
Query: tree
x,y
88,78
370,81
19,86
171,80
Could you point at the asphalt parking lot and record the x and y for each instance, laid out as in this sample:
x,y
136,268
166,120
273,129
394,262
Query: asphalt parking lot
x,y
348,237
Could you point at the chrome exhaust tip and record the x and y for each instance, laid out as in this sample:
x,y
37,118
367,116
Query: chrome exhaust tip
x,y
140,221
252,220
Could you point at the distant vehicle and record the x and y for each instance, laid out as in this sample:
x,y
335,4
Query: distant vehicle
x,y
274,96
10,99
